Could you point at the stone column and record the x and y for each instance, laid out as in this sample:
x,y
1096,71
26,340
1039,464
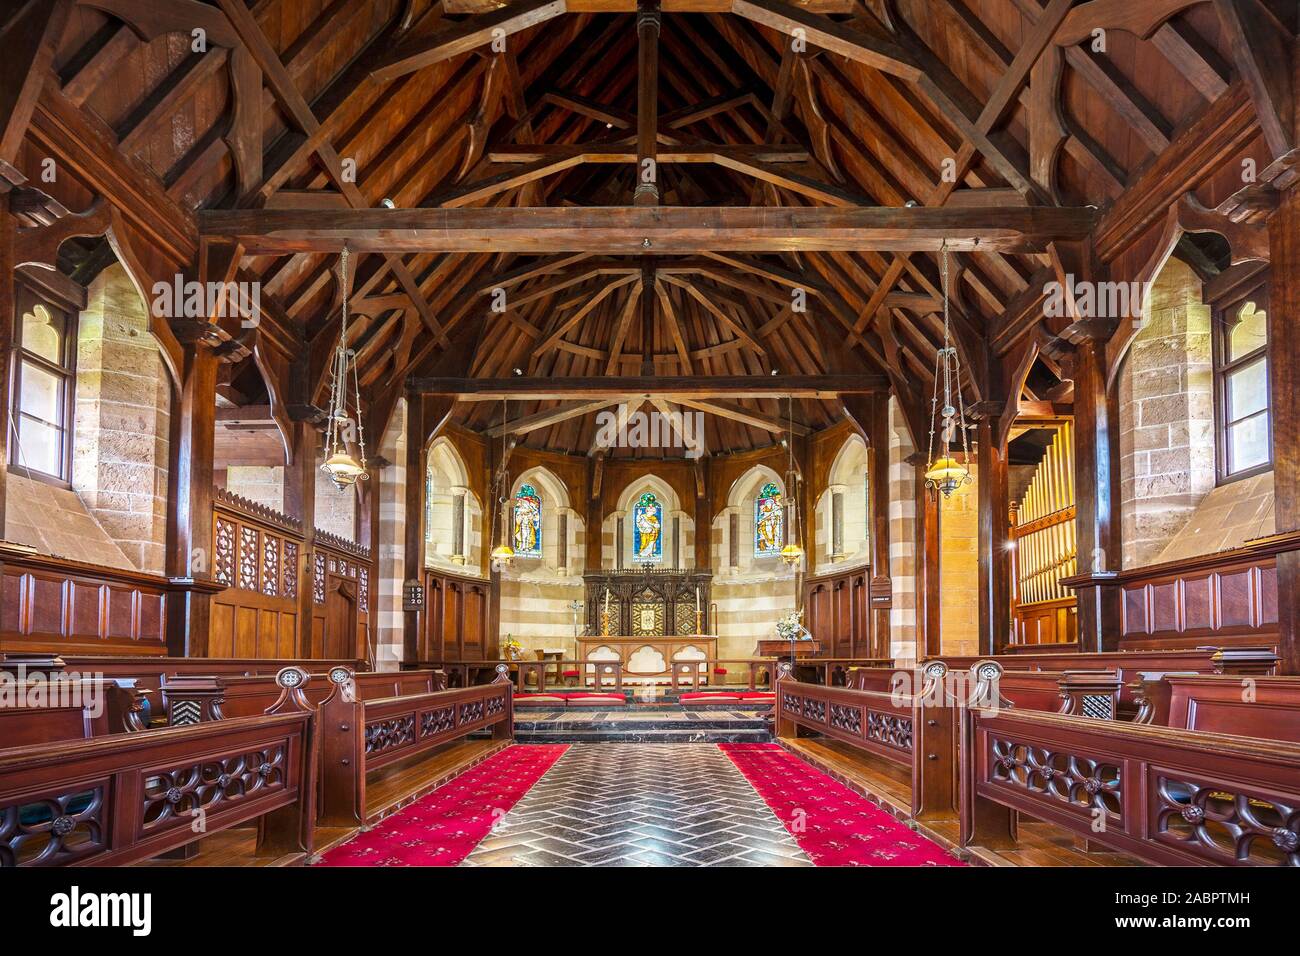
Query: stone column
x,y
837,522
458,524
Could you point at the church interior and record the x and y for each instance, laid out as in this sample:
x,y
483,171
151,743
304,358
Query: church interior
x,y
781,433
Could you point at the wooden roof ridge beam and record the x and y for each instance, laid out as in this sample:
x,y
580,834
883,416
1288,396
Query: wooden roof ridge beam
x,y
553,388
462,36
664,230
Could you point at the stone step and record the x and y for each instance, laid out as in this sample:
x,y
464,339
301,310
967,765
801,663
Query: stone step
x,y
610,733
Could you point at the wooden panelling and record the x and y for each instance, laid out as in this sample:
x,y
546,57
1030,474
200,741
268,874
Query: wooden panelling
x,y
342,574
51,604
1224,599
456,618
837,612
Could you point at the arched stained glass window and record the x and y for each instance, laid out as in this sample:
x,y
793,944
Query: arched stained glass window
x,y
528,522
647,530
769,521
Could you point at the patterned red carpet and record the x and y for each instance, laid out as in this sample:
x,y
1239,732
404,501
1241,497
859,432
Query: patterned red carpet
x,y
831,823
441,829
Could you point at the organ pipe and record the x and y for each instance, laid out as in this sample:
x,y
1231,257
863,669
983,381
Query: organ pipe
x,y
1044,530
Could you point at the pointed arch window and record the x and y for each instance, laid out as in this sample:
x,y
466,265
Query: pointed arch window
x,y
43,389
647,530
528,522
769,521
1245,444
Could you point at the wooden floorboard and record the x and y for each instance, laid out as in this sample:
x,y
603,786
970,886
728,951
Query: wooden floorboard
x,y
1041,844
399,785
229,848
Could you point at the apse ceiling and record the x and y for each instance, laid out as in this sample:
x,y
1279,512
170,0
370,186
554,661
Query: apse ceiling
x,y
744,119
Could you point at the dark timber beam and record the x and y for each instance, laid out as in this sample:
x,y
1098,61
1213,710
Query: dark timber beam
x,y
647,107
465,35
647,231
662,386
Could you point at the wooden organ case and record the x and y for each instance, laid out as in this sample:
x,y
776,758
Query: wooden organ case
x,y
1043,528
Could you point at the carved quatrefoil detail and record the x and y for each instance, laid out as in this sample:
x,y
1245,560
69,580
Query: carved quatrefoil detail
x,y
1286,840
1193,814
174,794
224,780
62,826
1092,785
264,769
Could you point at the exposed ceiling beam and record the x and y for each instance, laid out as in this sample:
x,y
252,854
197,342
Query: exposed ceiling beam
x,y
631,230
666,386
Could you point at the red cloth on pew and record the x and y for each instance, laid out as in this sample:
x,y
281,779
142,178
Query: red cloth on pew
x,y
757,695
595,698
709,695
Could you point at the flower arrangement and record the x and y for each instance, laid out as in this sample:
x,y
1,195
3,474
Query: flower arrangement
x,y
790,628
511,648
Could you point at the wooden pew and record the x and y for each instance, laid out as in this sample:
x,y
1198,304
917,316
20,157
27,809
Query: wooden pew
x,y
913,731
1167,796
1090,693
191,699
121,798
1266,707
360,737
1128,665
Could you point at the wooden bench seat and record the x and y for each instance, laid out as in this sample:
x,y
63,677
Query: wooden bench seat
x,y
120,798
1267,707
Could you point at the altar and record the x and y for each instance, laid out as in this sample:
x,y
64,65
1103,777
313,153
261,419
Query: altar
x,y
650,660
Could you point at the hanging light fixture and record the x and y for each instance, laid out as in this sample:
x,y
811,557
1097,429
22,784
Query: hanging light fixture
x,y
344,468
943,471
502,555
792,553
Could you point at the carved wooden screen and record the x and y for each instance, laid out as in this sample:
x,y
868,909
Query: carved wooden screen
x,y
342,575
256,555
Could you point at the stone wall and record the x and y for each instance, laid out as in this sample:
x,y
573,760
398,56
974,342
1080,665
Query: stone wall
x,y
123,401
1166,414
390,561
902,538
55,521
336,508
1226,518
261,484
959,570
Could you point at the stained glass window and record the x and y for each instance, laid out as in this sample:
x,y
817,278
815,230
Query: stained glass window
x,y
528,522
647,530
769,521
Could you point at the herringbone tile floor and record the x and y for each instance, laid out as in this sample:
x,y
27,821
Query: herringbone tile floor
x,y
640,805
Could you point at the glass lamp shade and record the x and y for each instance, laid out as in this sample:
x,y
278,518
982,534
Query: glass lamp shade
x,y
946,474
502,555
791,553
344,470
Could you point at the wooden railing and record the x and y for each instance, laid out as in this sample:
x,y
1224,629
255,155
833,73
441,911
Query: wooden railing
x,y
359,737
1168,797
128,797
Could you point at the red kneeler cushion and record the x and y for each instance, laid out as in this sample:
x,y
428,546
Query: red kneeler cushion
x,y
539,699
709,695
570,674
758,695
719,670
595,698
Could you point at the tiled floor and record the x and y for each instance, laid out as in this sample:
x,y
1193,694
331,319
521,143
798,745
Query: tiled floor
x,y
639,805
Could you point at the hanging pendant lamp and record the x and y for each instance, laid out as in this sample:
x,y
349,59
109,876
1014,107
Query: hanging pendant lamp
x,y
943,471
344,468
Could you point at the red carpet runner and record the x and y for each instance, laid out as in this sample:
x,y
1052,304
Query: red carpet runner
x,y
831,823
443,827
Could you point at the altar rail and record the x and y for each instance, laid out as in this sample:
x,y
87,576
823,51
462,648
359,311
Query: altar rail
x,y
360,737
129,797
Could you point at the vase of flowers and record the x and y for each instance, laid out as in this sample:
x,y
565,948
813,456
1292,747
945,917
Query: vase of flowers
x,y
790,628
511,649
